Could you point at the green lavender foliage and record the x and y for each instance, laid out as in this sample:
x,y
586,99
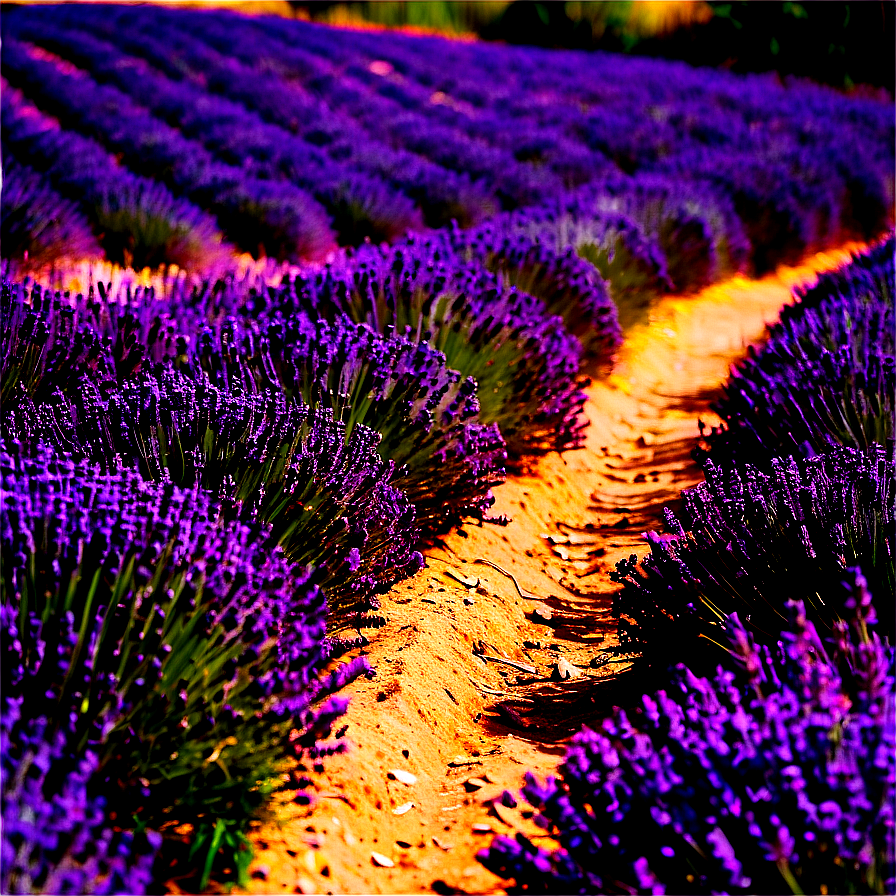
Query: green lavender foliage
x,y
178,647
744,538
326,496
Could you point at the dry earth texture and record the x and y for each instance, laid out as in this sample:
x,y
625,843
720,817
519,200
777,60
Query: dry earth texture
x,y
467,696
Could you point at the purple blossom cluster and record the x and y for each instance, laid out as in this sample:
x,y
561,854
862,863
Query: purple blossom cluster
x,y
44,347
137,220
295,133
826,374
568,284
159,662
777,775
523,359
326,493
37,225
746,540
56,837
427,415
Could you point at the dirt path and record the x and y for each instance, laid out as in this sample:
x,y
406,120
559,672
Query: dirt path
x,y
462,725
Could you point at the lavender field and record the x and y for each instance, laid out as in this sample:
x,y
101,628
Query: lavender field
x,y
359,279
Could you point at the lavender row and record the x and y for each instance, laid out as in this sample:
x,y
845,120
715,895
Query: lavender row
x,y
524,361
826,374
125,606
346,87
684,112
138,221
326,494
426,414
668,97
745,538
257,215
515,346
797,184
442,194
359,206
779,776
37,225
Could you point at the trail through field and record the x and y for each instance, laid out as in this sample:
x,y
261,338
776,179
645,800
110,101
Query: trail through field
x,y
471,687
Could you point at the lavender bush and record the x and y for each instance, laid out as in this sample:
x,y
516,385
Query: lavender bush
x,y
629,260
427,415
826,375
524,362
37,225
776,776
326,495
166,654
745,538
697,227
569,286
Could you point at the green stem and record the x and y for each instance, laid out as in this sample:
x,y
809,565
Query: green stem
x,y
787,874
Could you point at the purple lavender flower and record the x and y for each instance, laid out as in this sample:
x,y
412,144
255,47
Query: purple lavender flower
x,y
56,834
446,460
776,777
630,260
177,649
43,346
568,285
826,374
322,489
38,226
745,537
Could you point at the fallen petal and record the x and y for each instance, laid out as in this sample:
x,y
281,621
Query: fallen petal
x,y
403,776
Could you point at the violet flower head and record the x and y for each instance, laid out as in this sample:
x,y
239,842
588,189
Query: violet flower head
x,y
777,776
826,375
127,605
44,347
745,537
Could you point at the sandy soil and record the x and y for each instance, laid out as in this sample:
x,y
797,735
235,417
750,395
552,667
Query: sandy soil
x,y
448,705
